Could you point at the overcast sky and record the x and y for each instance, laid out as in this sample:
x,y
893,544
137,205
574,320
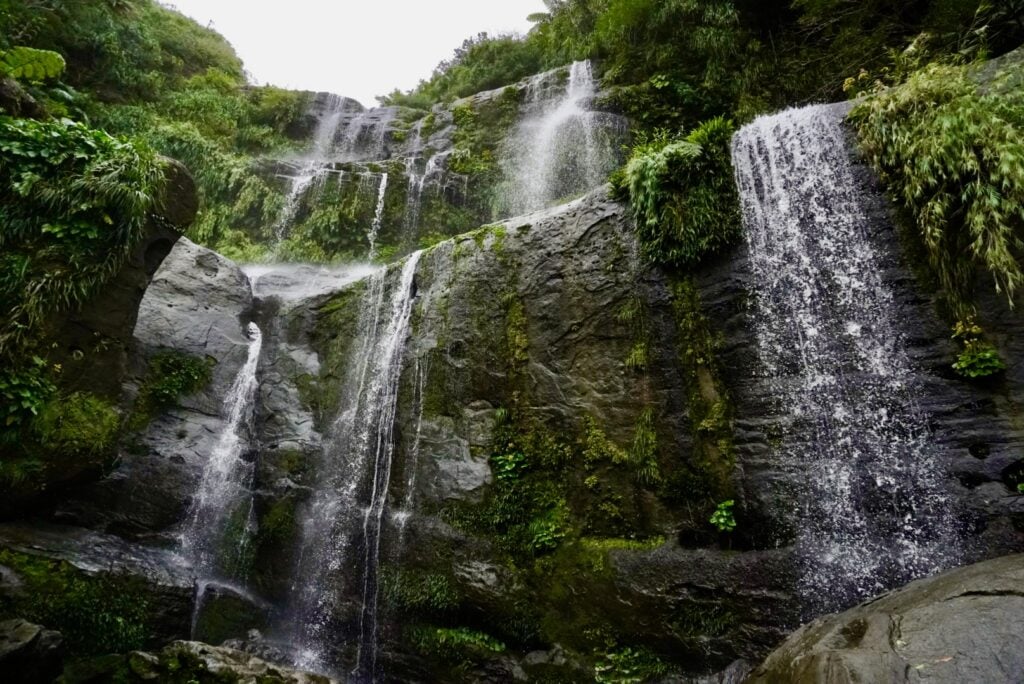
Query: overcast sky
x,y
359,49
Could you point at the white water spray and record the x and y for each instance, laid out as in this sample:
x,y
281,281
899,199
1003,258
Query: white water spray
x,y
875,513
341,537
560,146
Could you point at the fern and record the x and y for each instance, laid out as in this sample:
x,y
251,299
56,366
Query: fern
x,y
30,64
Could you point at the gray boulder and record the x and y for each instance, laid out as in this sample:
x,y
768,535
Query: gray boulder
x,y
28,652
961,626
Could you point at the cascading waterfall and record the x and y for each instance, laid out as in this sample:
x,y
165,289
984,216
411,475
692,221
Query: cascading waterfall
x,y
378,215
874,510
311,167
559,147
341,535
224,498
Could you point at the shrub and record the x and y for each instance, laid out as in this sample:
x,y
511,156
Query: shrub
x,y
977,358
683,195
723,518
171,376
73,203
954,157
23,392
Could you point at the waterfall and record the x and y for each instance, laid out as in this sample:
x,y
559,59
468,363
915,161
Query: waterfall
x,y
874,513
311,168
378,215
223,499
560,147
341,535
365,135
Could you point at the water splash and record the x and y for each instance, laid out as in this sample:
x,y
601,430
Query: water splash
x,y
222,506
875,513
560,147
341,535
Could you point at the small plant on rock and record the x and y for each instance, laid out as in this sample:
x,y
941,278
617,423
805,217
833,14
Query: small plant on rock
x,y
723,518
977,358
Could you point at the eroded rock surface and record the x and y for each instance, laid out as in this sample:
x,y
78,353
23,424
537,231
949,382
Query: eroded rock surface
x,y
960,626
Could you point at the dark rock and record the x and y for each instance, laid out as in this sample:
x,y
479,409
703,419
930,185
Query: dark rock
x,y
15,101
224,612
29,653
960,626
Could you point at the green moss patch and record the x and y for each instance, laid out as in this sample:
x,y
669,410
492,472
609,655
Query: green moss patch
x,y
96,614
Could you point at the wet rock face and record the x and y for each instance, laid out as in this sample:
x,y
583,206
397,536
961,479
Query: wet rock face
x,y
197,304
960,626
527,314
975,429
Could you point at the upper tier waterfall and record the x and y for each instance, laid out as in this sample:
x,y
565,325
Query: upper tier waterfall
x,y
383,182
874,510
560,147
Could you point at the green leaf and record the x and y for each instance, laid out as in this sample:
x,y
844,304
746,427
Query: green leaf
x,y
31,64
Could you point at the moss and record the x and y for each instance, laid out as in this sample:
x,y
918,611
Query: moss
x,y
707,476
79,425
699,621
95,613
429,125
457,648
273,542
516,336
418,592
480,129
626,664
333,335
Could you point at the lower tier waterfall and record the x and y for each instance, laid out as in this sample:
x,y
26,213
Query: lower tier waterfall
x,y
873,512
341,529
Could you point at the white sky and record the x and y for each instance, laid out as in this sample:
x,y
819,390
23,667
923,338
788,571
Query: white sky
x,y
356,48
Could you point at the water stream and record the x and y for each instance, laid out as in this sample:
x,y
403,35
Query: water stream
x,y
874,513
220,519
378,215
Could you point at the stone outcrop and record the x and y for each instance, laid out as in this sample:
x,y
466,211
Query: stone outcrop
x,y
197,304
960,626
156,576
93,344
